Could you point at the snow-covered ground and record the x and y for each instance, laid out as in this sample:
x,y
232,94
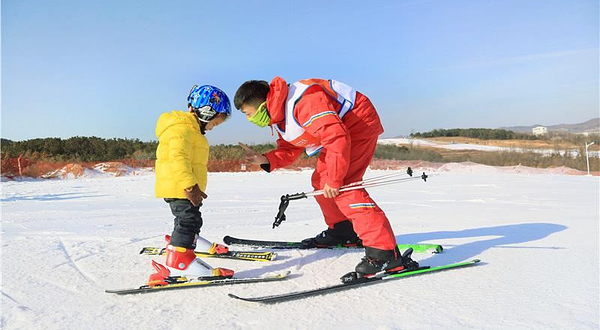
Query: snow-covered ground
x,y
479,147
65,241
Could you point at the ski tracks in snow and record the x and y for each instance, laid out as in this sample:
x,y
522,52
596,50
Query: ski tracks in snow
x,y
18,304
74,264
15,314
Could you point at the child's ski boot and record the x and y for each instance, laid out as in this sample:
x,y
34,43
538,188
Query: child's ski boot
x,y
183,266
204,245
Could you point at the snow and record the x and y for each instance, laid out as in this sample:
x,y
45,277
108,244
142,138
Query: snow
x,y
466,146
65,241
74,171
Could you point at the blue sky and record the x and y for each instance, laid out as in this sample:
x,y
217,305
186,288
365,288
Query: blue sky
x,y
109,68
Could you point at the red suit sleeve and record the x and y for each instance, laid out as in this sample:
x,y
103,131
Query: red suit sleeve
x,y
285,154
317,113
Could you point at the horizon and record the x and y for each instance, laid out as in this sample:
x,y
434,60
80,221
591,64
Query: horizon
x,y
383,136
109,69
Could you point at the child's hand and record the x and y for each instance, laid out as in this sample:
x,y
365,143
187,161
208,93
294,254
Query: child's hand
x,y
195,195
253,157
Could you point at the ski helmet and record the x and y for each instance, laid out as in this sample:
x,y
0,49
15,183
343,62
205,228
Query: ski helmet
x,y
208,101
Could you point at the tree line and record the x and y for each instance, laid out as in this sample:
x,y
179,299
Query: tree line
x,y
79,148
96,149
477,133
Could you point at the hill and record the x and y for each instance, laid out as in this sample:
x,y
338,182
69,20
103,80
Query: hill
x,y
590,126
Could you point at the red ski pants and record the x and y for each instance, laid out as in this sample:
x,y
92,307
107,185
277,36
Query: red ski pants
x,y
368,220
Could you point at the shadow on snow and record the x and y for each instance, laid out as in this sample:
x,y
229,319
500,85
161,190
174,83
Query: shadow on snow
x,y
509,234
48,197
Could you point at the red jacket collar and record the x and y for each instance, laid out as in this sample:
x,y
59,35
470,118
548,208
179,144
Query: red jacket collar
x,y
278,90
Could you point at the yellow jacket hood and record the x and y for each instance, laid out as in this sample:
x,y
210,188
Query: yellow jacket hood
x,y
169,119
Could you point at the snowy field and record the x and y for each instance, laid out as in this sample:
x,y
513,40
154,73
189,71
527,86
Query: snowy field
x,y
65,241
466,146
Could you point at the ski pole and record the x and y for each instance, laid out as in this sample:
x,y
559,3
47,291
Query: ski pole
x,y
409,171
367,183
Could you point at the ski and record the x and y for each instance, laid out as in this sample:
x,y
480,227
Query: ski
x,y
237,255
200,283
418,248
354,283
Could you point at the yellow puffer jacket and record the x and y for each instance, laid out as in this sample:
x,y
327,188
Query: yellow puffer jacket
x,y
181,156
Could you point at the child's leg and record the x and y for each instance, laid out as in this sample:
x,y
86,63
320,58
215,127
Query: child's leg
x,y
187,223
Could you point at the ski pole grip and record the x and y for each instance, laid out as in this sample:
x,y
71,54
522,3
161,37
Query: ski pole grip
x,y
285,201
294,196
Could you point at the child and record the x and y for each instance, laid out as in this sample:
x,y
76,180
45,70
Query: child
x,y
181,175
326,116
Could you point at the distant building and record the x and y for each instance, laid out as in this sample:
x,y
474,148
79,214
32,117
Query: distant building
x,y
540,130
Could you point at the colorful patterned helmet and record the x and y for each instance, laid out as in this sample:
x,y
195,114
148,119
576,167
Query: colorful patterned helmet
x,y
208,101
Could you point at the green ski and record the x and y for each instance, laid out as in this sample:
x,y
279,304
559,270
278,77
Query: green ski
x,y
354,283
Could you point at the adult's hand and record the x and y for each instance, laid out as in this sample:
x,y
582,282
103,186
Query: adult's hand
x,y
329,192
252,156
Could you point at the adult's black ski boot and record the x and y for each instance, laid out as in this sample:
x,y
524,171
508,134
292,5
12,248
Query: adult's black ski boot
x,y
342,233
388,261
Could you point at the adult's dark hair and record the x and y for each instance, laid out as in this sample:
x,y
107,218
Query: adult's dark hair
x,y
252,93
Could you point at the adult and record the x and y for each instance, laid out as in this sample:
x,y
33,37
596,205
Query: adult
x,y
327,116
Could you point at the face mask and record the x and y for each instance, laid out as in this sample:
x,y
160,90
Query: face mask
x,y
261,117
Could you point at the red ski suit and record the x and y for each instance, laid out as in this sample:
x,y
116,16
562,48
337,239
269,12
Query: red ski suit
x,y
348,147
